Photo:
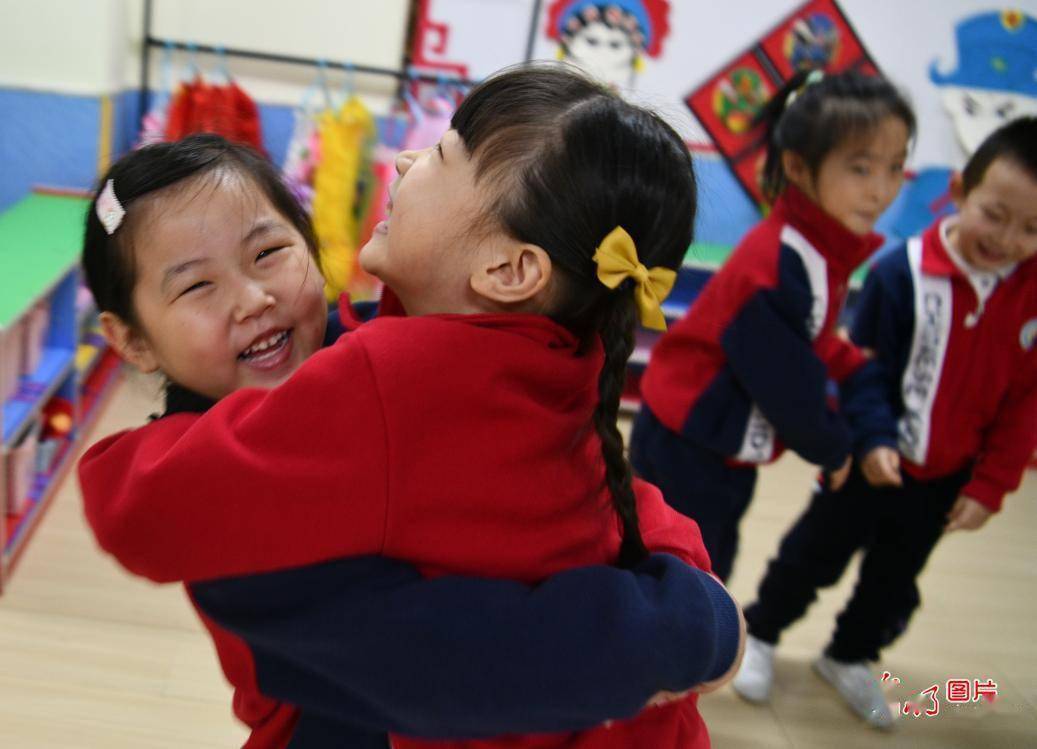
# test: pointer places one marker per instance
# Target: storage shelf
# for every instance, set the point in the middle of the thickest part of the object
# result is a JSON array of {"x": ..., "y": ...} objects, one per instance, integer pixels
[
  {"x": 40, "y": 242},
  {"x": 96, "y": 390},
  {"x": 18, "y": 526},
  {"x": 85, "y": 315},
  {"x": 34, "y": 391},
  {"x": 90, "y": 352}
]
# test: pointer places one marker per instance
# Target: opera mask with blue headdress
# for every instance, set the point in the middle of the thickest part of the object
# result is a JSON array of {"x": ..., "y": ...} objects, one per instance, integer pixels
[
  {"x": 609, "y": 38},
  {"x": 996, "y": 78}
]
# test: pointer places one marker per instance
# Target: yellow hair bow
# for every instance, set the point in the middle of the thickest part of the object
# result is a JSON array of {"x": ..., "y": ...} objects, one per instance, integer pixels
[{"x": 617, "y": 261}]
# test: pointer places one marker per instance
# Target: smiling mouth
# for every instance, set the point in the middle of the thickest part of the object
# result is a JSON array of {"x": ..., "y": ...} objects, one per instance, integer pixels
[
  {"x": 267, "y": 348},
  {"x": 989, "y": 254}
]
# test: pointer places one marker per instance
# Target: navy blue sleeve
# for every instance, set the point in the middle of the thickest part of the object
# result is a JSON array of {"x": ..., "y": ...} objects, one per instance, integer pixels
[
  {"x": 770, "y": 352},
  {"x": 883, "y": 321},
  {"x": 364, "y": 311},
  {"x": 367, "y": 642}
]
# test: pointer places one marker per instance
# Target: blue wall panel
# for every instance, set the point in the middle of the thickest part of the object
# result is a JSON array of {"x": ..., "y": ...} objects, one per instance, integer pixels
[{"x": 46, "y": 138}]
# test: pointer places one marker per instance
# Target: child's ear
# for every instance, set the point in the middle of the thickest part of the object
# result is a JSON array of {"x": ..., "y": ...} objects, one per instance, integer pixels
[
  {"x": 513, "y": 274},
  {"x": 127, "y": 343},
  {"x": 796, "y": 171},
  {"x": 957, "y": 189}
]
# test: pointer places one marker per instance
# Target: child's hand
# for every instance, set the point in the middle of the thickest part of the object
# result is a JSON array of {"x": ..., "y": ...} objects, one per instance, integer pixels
[
  {"x": 967, "y": 515},
  {"x": 838, "y": 477},
  {"x": 881, "y": 467},
  {"x": 665, "y": 698}
]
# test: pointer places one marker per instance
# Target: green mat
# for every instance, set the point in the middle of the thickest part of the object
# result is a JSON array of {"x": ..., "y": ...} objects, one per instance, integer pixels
[{"x": 40, "y": 238}]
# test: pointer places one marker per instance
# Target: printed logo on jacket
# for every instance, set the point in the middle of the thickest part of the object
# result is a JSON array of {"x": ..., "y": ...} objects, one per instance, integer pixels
[{"x": 933, "y": 311}]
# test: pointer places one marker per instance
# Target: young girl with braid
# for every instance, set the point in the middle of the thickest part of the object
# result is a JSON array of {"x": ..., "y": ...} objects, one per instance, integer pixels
[{"x": 524, "y": 247}]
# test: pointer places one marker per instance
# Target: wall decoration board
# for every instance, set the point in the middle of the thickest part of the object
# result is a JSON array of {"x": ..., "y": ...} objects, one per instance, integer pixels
[{"x": 966, "y": 65}]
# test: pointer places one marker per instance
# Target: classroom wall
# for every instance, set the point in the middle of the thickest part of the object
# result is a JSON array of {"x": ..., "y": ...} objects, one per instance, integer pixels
[
  {"x": 372, "y": 33},
  {"x": 56, "y": 58},
  {"x": 941, "y": 52},
  {"x": 66, "y": 46},
  {"x": 60, "y": 59}
]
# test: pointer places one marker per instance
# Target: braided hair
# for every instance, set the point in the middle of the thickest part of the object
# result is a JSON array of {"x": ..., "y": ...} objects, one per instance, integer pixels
[{"x": 570, "y": 161}]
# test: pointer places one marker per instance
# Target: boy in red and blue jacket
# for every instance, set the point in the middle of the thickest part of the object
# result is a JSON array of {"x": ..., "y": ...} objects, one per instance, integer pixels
[{"x": 952, "y": 320}]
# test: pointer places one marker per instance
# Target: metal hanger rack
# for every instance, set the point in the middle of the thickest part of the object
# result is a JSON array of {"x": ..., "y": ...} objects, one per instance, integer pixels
[{"x": 150, "y": 42}]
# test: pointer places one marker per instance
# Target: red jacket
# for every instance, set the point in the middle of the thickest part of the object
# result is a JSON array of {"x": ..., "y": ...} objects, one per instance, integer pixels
[
  {"x": 427, "y": 439},
  {"x": 961, "y": 370},
  {"x": 745, "y": 371}
]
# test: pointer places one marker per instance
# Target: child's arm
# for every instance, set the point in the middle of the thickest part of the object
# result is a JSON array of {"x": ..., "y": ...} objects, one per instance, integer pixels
[
  {"x": 1008, "y": 443},
  {"x": 883, "y": 321},
  {"x": 770, "y": 352},
  {"x": 159, "y": 500},
  {"x": 663, "y": 529},
  {"x": 368, "y": 642}
]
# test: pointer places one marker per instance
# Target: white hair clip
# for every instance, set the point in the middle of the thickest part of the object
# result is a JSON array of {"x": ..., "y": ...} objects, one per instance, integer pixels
[
  {"x": 109, "y": 209},
  {"x": 814, "y": 76}
]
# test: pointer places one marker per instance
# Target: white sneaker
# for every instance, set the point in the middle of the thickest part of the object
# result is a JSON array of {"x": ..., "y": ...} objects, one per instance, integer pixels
[
  {"x": 756, "y": 674},
  {"x": 859, "y": 688}
]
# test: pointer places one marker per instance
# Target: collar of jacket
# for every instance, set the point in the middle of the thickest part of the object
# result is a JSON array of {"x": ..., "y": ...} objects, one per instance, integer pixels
[
  {"x": 937, "y": 260},
  {"x": 840, "y": 247},
  {"x": 181, "y": 400}
]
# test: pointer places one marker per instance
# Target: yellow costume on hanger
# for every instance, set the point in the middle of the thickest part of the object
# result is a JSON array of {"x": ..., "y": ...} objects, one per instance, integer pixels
[{"x": 346, "y": 139}]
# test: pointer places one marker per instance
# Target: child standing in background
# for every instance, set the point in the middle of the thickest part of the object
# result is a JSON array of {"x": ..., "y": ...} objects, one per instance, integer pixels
[
  {"x": 745, "y": 372},
  {"x": 527, "y": 244},
  {"x": 952, "y": 319}
]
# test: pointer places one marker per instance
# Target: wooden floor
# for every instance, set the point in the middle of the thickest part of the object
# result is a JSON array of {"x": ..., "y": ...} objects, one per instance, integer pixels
[{"x": 91, "y": 658}]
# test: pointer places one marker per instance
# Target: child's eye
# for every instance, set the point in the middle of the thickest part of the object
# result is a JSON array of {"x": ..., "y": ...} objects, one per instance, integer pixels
[
  {"x": 990, "y": 215},
  {"x": 268, "y": 253},
  {"x": 860, "y": 170},
  {"x": 193, "y": 287},
  {"x": 439, "y": 149}
]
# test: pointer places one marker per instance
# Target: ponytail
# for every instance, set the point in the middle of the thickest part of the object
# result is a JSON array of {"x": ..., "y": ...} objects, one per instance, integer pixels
[{"x": 773, "y": 177}]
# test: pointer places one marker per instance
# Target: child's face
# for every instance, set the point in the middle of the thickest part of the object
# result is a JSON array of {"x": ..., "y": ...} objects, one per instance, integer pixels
[
  {"x": 998, "y": 217},
  {"x": 426, "y": 248},
  {"x": 860, "y": 177},
  {"x": 227, "y": 293}
]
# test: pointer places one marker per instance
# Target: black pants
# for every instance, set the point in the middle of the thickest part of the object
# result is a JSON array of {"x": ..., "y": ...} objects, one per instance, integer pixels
[
  {"x": 896, "y": 527},
  {"x": 696, "y": 482}
]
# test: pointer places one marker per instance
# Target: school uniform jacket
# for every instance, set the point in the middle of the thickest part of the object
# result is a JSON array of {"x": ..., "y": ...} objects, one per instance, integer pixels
[
  {"x": 461, "y": 443},
  {"x": 745, "y": 371},
  {"x": 957, "y": 347}
]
